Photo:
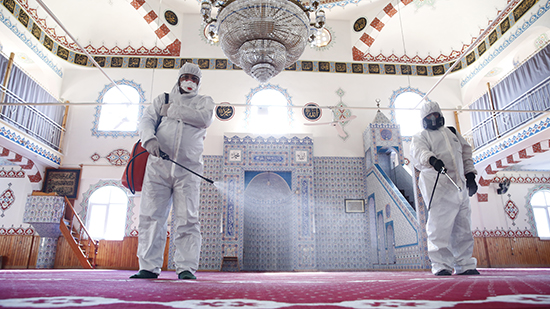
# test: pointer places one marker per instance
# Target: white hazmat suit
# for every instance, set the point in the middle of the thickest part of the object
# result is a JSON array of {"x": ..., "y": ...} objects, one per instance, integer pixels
[
  {"x": 180, "y": 134},
  {"x": 450, "y": 241}
]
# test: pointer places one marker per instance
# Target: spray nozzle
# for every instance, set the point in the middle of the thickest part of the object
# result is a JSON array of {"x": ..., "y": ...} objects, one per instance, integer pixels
[{"x": 164, "y": 155}]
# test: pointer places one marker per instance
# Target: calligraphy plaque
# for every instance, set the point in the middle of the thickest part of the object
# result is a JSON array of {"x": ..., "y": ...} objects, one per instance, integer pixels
[
  {"x": 386, "y": 134},
  {"x": 171, "y": 17},
  {"x": 225, "y": 112},
  {"x": 360, "y": 24},
  {"x": 301, "y": 156},
  {"x": 64, "y": 182},
  {"x": 312, "y": 112},
  {"x": 235, "y": 155}
]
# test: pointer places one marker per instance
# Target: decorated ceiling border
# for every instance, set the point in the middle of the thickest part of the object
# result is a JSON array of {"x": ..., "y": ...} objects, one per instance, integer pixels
[
  {"x": 362, "y": 46},
  {"x": 147, "y": 62},
  {"x": 29, "y": 42},
  {"x": 23, "y": 141},
  {"x": 480, "y": 156},
  {"x": 506, "y": 42},
  {"x": 329, "y": 4},
  {"x": 48, "y": 37},
  {"x": 299, "y": 66}
]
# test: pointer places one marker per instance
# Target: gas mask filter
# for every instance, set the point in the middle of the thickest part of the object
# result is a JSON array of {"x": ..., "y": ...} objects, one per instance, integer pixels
[{"x": 433, "y": 122}]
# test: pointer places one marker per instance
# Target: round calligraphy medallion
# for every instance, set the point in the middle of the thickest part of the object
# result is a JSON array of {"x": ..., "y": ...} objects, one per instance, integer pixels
[
  {"x": 171, "y": 17},
  {"x": 360, "y": 24},
  {"x": 386, "y": 134},
  {"x": 312, "y": 112},
  {"x": 225, "y": 112}
]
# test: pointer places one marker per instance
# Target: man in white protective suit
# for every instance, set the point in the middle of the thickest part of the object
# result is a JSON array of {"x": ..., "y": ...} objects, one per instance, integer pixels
[
  {"x": 177, "y": 129},
  {"x": 436, "y": 149}
]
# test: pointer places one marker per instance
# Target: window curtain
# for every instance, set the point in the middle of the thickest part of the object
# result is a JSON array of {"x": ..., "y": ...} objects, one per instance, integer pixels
[
  {"x": 40, "y": 119},
  {"x": 484, "y": 129},
  {"x": 30, "y": 92},
  {"x": 525, "y": 89}
]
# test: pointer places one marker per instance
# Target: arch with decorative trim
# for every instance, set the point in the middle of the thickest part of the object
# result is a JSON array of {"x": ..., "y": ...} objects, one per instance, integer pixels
[
  {"x": 532, "y": 227},
  {"x": 114, "y": 133},
  {"x": 129, "y": 208}
]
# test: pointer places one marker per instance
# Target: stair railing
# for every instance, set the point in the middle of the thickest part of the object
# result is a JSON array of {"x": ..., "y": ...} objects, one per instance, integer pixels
[{"x": 78, "y": 237}]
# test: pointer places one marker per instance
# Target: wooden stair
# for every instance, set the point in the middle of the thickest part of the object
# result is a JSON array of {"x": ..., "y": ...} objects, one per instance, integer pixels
[{"x": 78, "y": 238}]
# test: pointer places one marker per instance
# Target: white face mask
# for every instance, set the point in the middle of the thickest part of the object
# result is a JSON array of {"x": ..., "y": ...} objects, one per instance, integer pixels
[{"x": 188, "y": 86}]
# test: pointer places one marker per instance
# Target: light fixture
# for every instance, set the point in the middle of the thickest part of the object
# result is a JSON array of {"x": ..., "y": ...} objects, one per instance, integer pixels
[
  {"x": 322, "y": 38},
  {"x": 262, "y": 36}
]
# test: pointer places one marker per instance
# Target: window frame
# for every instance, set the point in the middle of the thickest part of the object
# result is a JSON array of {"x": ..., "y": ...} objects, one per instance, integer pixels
[
  {"x": 393, "y": 98},
  {"x": 249, "y": 106},
  {"x": 546, "y": 207},
  {"x": 108, "y": 208},
  {"x": 130, "y": 207},
  {"x": 97, "y": 116}
]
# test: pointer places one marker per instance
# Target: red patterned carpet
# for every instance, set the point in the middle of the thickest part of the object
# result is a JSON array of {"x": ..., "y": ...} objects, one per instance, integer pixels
[{"x": 95, "y": 289}]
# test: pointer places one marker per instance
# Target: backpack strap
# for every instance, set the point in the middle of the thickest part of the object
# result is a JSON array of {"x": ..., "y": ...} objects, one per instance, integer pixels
[
  {"x": 453, "y": 129},
  {"x": 164, "y": 107}
]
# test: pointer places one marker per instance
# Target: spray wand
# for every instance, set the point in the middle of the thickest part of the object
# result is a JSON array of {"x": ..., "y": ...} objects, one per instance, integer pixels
[
  {"x": 164, "y": 156},
  {"x": 444, "y": 172}
]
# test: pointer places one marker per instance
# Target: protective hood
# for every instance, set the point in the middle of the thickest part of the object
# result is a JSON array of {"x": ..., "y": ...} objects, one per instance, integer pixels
[
  {"x": 188, "y": 68},
  {"x": 430, "y": 121},
  {"x": 428, "y": 108}
]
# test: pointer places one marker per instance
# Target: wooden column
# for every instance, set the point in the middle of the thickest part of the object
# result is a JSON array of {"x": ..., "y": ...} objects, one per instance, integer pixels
[{"x": 7, "y": 76}]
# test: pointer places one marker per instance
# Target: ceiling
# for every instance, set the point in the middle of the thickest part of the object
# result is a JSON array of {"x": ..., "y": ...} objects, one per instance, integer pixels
[
  {"x": 421, "y": 28},
  {"x": 427, "y": 32},
  {"x": 407, "y": 31}
]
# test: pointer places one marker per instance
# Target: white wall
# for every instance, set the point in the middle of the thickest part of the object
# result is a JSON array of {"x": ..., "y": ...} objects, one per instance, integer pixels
[
  {"x": 21, "y": 188},
  {"x": 234, "y": 86},
  {"x": 491, "y": 215}
]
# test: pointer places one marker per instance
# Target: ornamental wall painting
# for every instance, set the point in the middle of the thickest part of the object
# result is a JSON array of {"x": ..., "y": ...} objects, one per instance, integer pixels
[
  {"x": 511, "y": 210},
  {"x": 12, "y": 173},
  {"x": 117, "y": 157},
  {"x": 5, "y": 231},
  {"x": 7, "y": 198},
  {"x": 341, "y": 116}
]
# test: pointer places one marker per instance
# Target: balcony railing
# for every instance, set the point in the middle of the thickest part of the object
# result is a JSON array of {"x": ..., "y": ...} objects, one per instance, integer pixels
[
  {"x": 515, "y": 114},
  {"x": 31, "y": 119}
]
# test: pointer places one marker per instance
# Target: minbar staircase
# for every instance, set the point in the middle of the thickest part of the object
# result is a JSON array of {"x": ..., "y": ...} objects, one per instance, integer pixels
[{"x": 76, "y": 234}]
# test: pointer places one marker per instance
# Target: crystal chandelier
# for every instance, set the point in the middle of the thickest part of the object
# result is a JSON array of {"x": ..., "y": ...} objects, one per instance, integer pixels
[{"x": 262, "y": 36}]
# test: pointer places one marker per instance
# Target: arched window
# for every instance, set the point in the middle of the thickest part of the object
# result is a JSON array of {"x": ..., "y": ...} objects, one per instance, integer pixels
[
  {"x": 540, "y": 202},
  {"x": 269, "y": 110},
  {"x": 120, "y": 113},
  {"x": 107, "y": 209},
  {"x": 403, "y": 100}
]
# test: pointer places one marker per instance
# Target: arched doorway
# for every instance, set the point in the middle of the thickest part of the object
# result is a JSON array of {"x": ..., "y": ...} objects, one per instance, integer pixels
[{"x": 268, "y": 224}]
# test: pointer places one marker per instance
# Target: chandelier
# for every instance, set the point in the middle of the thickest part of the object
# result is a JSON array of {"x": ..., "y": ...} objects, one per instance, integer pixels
[{"x": 262, "y": 36}]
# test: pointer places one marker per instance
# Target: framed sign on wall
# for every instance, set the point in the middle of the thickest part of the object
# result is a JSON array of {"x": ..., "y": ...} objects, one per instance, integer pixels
[
  {"x": 355, "y": 205},
  {"x": 63, "y": 181}
]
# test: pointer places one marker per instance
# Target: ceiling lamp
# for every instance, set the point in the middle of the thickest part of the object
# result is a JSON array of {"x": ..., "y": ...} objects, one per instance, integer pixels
[{"x": 262, "y": 36}]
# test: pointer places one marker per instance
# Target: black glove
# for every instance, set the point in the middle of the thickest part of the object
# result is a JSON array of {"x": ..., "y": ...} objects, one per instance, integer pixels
[
  {"x": 471, "y": 183},
  {"x": 436, "y": 163}
]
